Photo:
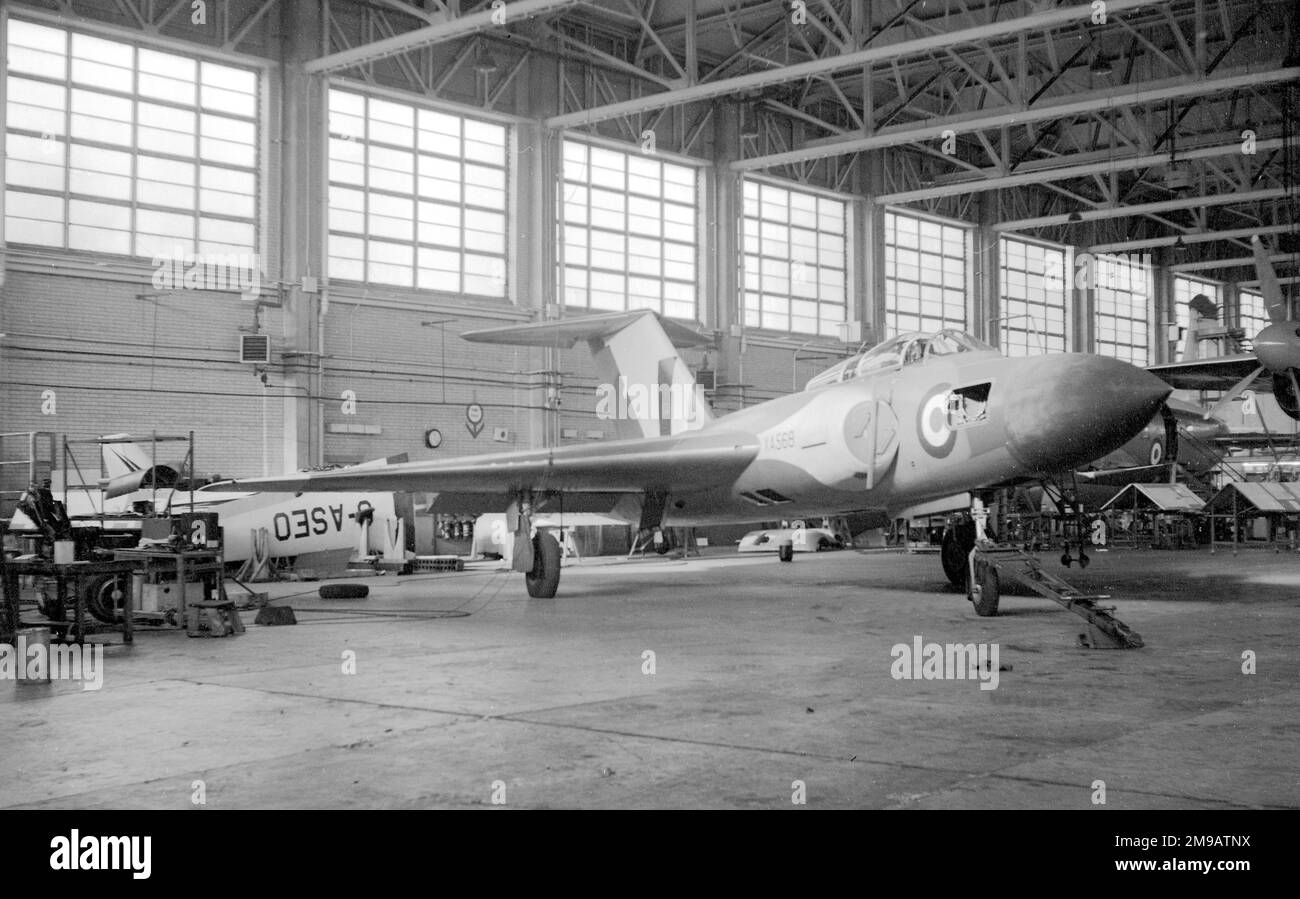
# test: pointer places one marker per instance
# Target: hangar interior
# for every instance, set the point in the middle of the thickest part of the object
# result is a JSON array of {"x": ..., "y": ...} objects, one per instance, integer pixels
[
  {"x": 794, "y": 181},
  {"x": 257, "y": 230}
]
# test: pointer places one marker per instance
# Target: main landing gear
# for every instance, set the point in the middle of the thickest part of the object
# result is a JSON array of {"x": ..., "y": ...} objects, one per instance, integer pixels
[
  {"x": 536, "y": 554},
  {"x": 543, "y": 579}
]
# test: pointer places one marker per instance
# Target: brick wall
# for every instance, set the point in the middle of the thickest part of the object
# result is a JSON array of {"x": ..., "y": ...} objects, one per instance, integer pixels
[{"x": 119, "y": 363}]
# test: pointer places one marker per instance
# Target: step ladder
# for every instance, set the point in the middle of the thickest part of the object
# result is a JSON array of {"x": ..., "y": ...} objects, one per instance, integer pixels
[{"x": 1105, "y": 631}]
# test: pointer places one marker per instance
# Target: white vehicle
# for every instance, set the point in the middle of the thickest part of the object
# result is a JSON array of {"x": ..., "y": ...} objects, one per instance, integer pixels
[{"x": 801, "y": 540}]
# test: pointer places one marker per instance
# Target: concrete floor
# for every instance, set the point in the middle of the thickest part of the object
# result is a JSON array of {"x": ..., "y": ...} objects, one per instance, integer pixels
[{"x": 766, "y": 673}]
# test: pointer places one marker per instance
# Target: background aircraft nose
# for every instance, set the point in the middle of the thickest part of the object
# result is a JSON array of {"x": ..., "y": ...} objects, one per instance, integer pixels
[{"x": 1063, "y": 411}]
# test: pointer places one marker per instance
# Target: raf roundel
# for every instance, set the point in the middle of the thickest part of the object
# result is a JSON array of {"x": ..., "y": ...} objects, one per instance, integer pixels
[{"x": 937, "y": 438}]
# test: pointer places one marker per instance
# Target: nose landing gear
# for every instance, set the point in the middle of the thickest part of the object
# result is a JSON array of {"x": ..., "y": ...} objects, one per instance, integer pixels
[
  {"x": 954, "y": 552},
  {"x": 1067, "y": 559}
]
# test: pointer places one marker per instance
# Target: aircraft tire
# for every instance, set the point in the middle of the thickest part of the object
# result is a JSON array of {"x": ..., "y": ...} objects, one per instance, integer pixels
[
  {"x": 953, "y": 553},
  {"x": 544, "y": 579},
  {"x": 986, "y": 600},
  {"x": 97, "y": 594},
  {"x": 344, "y": 591},
  {"x": 785, "y": 552}
]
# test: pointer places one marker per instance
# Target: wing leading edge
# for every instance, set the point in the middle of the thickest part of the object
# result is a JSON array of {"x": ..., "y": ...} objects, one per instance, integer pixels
[
  {"x": 671, "y": 464},
  {"x": 1210, "y": 374}
]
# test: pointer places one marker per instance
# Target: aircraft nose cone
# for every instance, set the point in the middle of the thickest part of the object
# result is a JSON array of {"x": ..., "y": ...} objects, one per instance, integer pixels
[{"x": 1064, "y": 411}]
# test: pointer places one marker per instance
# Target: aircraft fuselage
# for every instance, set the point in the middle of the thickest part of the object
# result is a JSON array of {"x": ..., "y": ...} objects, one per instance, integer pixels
[{"x": 911, "y": 433}]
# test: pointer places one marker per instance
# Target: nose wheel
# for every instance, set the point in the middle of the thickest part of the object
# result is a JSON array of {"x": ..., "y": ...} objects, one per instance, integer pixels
[
  {"x": 986, "y": 591},
  {"x": 954, "y": 551}
]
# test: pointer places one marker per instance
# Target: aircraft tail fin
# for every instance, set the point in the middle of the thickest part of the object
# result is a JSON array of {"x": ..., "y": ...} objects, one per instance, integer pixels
[
  {"x": 123, "y": 458},
  {"x": 1269, "y": 286},
  {"x": 647, "y": 389},
  {"x": 129, "y": 468}
]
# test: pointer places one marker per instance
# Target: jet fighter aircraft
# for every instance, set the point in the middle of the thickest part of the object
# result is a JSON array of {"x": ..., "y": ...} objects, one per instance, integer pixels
[{"x": 915, "y": 418}]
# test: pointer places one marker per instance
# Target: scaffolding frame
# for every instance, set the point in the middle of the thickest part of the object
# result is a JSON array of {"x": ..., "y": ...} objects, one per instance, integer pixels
[
  {"x": 186, "y": 471},
  {"x": 38, "y": 467}
]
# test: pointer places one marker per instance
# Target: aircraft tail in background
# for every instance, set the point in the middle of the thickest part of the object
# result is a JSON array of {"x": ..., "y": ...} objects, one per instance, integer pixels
[
  {"x": 123, "y": 458},
  {"x": 646, "y": 388},
  {"x": 129, "y": 468}
]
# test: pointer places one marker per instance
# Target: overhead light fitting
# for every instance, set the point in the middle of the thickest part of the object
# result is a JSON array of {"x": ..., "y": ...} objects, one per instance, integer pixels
[
  {"x": 1177, "y": 178},
  {"x": 484, "y": 63},
  {"x": 1101, "y": 64}
]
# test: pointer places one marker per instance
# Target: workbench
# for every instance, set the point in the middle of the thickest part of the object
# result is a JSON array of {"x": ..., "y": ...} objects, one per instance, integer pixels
[
  {"x": 205, "y": 565},
  {"x": 63, "y": 574}
]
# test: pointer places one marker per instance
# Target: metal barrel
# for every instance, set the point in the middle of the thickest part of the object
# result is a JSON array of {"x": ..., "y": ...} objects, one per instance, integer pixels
[{"x": 39, "y": 661}]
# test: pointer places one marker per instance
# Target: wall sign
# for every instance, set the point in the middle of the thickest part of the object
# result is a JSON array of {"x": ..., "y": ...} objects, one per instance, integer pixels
[{"x": 474, "y": 419}]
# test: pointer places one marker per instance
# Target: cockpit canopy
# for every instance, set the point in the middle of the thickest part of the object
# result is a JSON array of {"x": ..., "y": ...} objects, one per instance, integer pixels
[{"x": 904, "y": 349}]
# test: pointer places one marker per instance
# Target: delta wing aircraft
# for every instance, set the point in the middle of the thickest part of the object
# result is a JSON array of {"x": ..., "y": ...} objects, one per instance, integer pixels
[{"x": 915, "y": 418}]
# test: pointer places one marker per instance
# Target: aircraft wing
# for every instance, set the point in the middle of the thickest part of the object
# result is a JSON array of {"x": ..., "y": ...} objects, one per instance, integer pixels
[
  {"x": 1121, "y": 476},
  {"x": 1211, "y": 374},
  {"x": 676, "y": 464},
  {"x": 1281, "y": 441}
]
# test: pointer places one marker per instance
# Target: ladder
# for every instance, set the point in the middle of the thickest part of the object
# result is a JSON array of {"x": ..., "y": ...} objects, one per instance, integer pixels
[{"x": 1105, "y": 631}]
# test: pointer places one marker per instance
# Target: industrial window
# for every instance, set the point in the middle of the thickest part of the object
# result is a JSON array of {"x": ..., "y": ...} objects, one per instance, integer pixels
[
  {"x": 115, "y": 148},
  {"x": 795, "y": 262},
  {"x": 1252, "y": 315},
  {"x": 417, "y": 197},
  {"x": 1032, "y": 278},
  {"x": 1123, "y": 291},
  {"x": 627, "y": 231},
  {"x": 1187, "y": 287},
  {"x": 925, "y": 274}
]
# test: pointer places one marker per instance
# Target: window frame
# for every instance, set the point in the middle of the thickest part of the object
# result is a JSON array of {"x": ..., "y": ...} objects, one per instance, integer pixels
[
  {"x": 1181, "y": 298},
  {"x": 1066, "y": 293},
  {"x": 828, "y": 329},
  {"x": 136, "y": 248},
  {"x": 498, "y": 260},
  {"x": 892, "y": 314},
  {"x": 1145, "y": 317},
  {"x": 567, "y": 252},
  {"x": 1242, "y": 319}
]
